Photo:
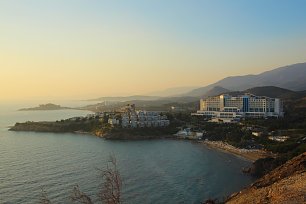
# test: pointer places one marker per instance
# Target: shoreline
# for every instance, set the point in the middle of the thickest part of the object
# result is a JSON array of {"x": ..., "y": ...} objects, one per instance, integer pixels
[
  {"x": 110, "y": 136},
  {"x": 251, "y": 155}
]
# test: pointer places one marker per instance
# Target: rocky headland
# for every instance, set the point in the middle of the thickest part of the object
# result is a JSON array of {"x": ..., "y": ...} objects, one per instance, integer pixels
[{"x": 285, "y": 184}]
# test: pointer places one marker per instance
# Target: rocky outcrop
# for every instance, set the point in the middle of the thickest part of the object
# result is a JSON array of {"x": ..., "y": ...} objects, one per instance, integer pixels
[{"x": 285, "y": 184}]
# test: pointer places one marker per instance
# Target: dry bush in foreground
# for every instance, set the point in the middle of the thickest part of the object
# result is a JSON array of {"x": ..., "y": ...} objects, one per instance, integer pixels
[
  {"x": 44, "y": 197},
  {"x": 79, "y": 196},
  {"x": 109, "y": 192}
]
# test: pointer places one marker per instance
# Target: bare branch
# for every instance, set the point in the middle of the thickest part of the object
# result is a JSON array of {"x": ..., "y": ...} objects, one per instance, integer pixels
[
  {"x": 44, "y": 197},
  {"x": 79, "y": 197},
  {"x": 110, "y": 192}
]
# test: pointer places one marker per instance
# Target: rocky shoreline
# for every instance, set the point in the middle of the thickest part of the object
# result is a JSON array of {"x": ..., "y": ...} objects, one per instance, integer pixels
[
  {"x": 124, "y": 136},
  {"x": 285, "y": 184}
]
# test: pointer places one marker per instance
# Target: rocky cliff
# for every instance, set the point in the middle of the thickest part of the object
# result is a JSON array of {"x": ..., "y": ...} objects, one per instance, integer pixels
[{"x": 285, "y": 184}]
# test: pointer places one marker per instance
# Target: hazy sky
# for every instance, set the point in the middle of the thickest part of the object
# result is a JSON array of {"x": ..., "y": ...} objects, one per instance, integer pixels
[{"x": 79, "y": 49}]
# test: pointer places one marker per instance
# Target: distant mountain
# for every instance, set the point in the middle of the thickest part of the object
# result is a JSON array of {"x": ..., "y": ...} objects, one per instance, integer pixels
[
  {"x": 217, "y": 90},
  {"x": 127, "y": 98},
  {"x": 176, "y": 91},
  {"x": 291, "y": 77},
  {"x": 207, "y": 91}
]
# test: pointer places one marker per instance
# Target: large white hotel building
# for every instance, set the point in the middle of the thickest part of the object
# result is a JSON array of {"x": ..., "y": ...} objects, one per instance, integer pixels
[{"x": 227, "y": 108}]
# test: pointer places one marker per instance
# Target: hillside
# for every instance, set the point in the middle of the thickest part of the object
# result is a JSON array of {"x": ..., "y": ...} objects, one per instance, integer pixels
[
  {"x": 175, "y": 91},
  {"x": 295, "y": 98},
  {"x": 269, "y": 91},
  {"x": 291, "y": 77},
  {"x": 126, "y": 98},
  {"x": 217, "y": 90},
  {"x": 273, "y": 92},
  {"x": 285, "y": 184},
  {"x": 162, "y": 104}
]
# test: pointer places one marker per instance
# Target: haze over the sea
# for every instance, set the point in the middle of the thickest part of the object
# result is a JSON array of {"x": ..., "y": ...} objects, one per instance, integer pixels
[{"x": 86, "y": 49}]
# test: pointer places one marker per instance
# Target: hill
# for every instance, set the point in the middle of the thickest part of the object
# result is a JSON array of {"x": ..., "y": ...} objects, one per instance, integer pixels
[
  {"x": 126, "y": 98},
  {"x": 176, "y": 91},
  {"x": 217, "y": 90},
  {"x": 291, "y": 77},
  {"x": 272, "y": 91},
  {"x": 269, "y": 91},
  {"x": 162, "y": 104},
  {"x": 285, "y": 184}
]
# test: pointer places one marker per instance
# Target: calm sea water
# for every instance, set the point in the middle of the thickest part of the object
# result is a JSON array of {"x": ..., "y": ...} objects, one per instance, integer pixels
[{"x": 155, "y": 171}]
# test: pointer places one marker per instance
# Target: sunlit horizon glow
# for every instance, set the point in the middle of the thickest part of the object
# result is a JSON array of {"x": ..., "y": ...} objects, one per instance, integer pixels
[{"x": 77, "y": 49}]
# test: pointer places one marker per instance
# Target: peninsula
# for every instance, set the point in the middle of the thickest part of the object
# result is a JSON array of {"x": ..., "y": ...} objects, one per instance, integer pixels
[{"x": 95, "y": 127}]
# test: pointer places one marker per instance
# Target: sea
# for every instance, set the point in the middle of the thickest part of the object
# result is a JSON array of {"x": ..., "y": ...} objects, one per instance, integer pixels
[{"x": 152, "y": 171}]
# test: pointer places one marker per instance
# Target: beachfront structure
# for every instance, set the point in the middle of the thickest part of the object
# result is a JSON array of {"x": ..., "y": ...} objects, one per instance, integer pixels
[
  {"x": 279, "y": 138},
  {"x": 131, "y": 118},
  {"x": 226, "y": 108},
  {"x": 187, "y": 133}
]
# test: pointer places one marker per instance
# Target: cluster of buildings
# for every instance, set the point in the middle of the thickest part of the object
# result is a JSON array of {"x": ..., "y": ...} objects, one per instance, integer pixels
[
  {"x": 130, "y": 118},
  {"x": 223, "y": 108},
  {"x": 227, "y": 108}
]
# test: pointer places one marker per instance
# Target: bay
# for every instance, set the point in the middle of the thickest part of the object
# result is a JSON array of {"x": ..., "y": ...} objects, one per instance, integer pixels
[{"x": 153, "y": 171}]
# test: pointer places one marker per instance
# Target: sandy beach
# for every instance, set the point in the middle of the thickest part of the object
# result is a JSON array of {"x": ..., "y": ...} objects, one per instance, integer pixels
[{"x": 251, "y": 155}]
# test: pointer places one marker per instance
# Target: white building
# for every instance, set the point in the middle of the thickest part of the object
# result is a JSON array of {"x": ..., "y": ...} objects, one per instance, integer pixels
[
  {"x": 188, "y": 134},
  {"x": 133, "y": 119},
  {"x": 113, "y": 121},
  {"x": 227, "y": 108},
  {"x": 279, "y": 138}
]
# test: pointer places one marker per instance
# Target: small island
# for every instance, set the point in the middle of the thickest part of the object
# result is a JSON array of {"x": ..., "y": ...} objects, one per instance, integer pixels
[{"x": 48, "y": 106}]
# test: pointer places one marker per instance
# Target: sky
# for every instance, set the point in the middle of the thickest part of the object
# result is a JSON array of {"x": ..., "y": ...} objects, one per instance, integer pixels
[{"x": 80, "y": 49}]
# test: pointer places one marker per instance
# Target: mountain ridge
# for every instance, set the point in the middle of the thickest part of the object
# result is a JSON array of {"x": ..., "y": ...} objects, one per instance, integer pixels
[{"x": 292, "y": 77}]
